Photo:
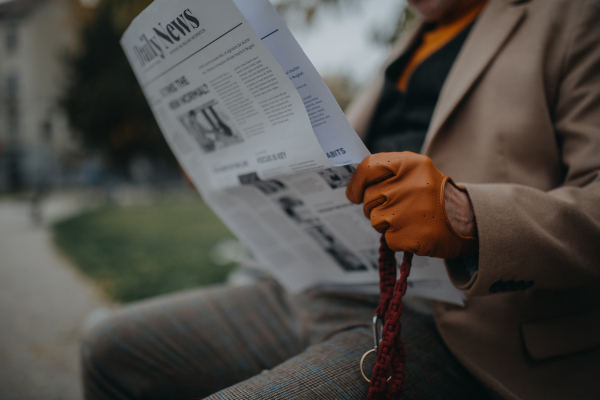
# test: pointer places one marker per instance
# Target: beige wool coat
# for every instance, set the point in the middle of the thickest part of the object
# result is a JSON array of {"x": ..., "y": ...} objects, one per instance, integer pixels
[{"x": 518, "y": 123}]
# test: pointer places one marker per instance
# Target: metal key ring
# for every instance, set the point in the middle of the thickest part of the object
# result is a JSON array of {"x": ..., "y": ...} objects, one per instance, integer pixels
[{"x": 362, "y": 360}]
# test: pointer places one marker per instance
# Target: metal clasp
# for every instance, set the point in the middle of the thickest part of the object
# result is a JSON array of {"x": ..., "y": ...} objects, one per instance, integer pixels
[
  {"x": 377, "y": 330},
  {"x": 378, "y": 323}
]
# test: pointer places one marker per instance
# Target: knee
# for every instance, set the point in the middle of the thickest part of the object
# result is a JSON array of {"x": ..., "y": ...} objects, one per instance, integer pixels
[
  {"x": 101, "y": 349},
  {"x": 96, "y": 343}
]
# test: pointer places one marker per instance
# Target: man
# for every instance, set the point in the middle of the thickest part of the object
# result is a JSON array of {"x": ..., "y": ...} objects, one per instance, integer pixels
[
  {"x": 518, "y": 118},
  {"x": 504, "y": 98}
]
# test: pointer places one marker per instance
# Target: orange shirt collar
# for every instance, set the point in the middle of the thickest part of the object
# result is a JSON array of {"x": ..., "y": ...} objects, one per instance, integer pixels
[{"x": 459, "y": 17}]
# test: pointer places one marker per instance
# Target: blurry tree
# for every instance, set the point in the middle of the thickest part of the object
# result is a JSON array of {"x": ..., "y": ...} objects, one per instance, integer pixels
[
  {"x": 103, "y": 100},
  {"x": 342, "y": 87},
  {"x": 308, "y": 9},
  {"x": 404, "y": 20}
]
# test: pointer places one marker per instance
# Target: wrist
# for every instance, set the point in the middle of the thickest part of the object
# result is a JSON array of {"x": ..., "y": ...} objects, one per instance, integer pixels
[{"x": 459, "y": 210}]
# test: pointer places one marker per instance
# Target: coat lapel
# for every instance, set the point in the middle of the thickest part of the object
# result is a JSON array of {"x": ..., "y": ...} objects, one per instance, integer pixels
[{"x": 495, "y": 25}]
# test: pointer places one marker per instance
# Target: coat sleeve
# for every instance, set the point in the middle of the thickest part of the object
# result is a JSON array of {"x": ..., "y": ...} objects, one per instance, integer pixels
[{"x": 549, "y": 240}]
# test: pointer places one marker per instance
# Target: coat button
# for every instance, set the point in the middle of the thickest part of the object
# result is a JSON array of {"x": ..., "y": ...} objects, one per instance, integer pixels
[
  {"x": 497, "y": 287},
  {"x": 529, "y": 284}
]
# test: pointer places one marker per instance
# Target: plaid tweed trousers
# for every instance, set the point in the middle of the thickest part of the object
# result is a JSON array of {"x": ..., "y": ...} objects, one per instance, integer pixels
[{"x": 258, "y": 342}]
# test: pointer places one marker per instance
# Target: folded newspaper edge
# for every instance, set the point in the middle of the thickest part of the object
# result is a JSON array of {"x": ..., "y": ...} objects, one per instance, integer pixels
[{"x": 265, "y": 143}]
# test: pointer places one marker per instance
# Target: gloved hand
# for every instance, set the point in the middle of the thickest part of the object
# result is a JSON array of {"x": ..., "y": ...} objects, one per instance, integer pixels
[{"x": 403, "y": 196}]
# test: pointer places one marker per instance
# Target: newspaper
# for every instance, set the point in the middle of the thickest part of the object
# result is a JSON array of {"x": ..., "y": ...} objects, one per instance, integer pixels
[{"x": 263, "y": 140}]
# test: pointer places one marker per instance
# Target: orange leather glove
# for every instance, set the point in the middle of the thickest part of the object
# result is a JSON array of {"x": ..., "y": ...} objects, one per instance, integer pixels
[{"x": 403, "y": 196}]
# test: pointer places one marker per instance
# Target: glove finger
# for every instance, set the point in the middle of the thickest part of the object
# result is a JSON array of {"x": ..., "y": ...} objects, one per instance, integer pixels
[
  {"x": 375, "y": 195},
  {"x": 377, "y": 214},
  {"x": 381, "y": 227},
  {"x": 371, "y": 203},
  {"x": 373, "y": 169}
]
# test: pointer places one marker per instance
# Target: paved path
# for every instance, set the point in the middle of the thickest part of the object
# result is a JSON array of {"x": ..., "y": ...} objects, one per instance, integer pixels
[{"x": 43, "y": 303}]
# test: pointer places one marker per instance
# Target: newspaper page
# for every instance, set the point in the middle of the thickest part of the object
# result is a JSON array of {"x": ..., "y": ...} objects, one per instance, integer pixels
[{"x": 258, "y": 132}]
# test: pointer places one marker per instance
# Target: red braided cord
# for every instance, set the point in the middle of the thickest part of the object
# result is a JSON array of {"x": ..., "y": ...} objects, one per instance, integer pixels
[{"x": 390, "y": 353}]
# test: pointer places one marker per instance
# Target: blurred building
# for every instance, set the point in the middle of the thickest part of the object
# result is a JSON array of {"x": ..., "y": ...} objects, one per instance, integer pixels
[{"x": 35, "y": 141}]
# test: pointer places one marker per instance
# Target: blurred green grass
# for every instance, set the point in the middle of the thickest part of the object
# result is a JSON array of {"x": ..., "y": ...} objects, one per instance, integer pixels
[{"x": 135, "y": 252}]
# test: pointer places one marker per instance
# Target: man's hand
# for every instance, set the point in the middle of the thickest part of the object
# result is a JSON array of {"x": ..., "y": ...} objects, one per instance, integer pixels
[{"x": 405, "y": 196}]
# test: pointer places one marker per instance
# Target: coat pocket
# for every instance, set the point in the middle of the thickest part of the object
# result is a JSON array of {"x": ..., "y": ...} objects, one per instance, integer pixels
[{"x": 561, "y": 336}]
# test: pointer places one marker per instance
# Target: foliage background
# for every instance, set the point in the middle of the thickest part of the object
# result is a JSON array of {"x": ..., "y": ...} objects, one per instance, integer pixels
[{"x": 103, "y": 100}]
